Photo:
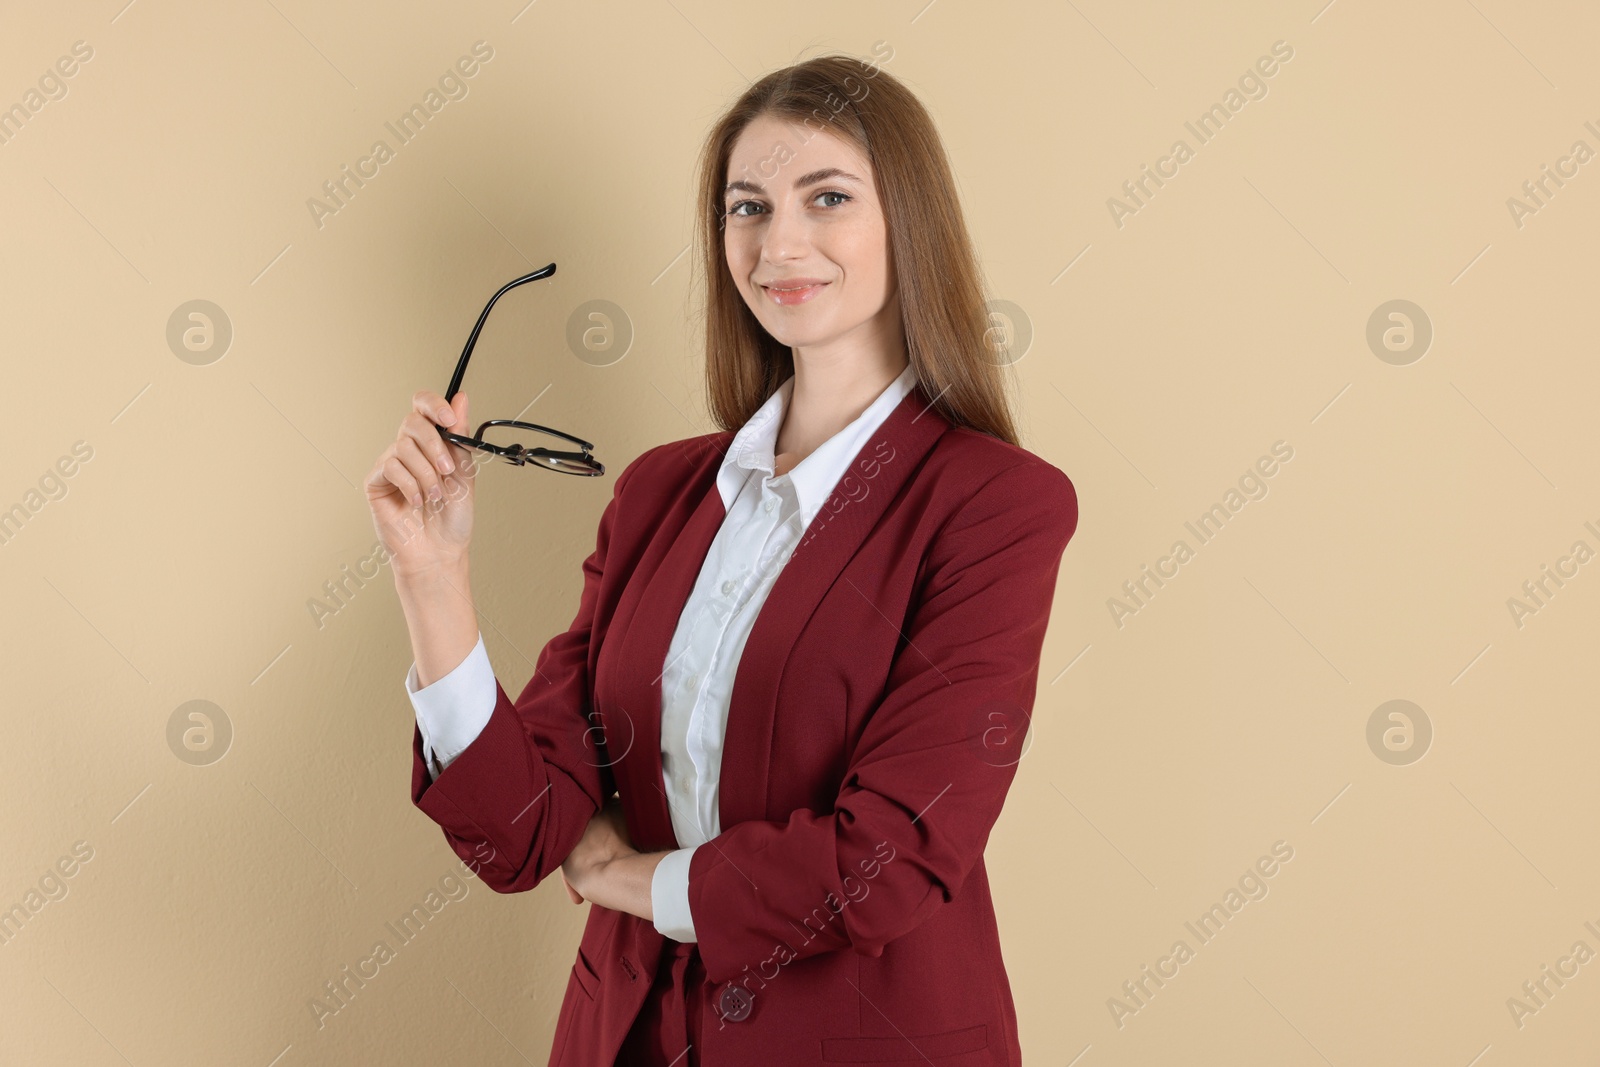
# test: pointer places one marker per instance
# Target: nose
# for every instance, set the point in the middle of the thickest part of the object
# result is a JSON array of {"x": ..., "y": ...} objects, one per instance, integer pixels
[{"x": 786, "y": 235}]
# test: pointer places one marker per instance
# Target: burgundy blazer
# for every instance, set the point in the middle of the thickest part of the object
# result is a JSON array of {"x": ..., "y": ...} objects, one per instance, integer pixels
[{"x": 878, "y": 711}]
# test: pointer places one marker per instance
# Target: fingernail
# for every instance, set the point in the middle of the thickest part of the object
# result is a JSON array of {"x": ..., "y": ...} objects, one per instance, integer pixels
[
  {"x": 446, "y": 464},
  {"x": 447, "y": 416},
  {"x": 433, "y": 492}
]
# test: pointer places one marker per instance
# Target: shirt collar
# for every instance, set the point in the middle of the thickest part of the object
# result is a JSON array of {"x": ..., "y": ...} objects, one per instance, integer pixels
[{"x": 752, "y": 451}]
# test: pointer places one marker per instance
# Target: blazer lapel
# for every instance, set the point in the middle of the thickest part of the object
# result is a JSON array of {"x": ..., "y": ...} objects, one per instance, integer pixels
[
  {"x": 873, "y": 478},
  {"x": 648, "y": 613}
]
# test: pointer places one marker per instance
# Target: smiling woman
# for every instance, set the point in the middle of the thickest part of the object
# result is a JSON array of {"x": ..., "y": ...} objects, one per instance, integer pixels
[{"x": 795, "y": 638}]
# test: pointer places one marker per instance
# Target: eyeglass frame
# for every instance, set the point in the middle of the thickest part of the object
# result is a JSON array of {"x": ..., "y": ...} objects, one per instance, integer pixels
[{"x": 515, "y": 453}]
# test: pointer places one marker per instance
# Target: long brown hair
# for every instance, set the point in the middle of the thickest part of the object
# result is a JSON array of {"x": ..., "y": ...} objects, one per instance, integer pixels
[{"x": 940, "y": 285}]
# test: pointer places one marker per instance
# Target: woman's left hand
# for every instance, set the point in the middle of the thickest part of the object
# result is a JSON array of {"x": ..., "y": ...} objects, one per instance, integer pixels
[{"x": 605, "y": 839}]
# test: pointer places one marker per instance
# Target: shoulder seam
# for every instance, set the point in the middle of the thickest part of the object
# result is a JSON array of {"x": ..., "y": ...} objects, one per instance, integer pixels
[{"x": 951, "y": 526}]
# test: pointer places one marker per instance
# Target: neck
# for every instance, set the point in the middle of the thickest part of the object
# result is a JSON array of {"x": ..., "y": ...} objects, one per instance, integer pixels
[{"x": 830, "y": 391}]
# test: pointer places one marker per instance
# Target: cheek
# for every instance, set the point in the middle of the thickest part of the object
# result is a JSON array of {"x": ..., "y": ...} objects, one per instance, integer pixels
[
  {"x": 736, "y": 253},
  {"x": 867, "y": 267},
  {"x": 865, "y": 252}
]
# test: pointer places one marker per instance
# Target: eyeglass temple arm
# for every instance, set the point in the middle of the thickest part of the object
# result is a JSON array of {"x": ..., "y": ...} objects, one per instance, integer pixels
[{"x": 466, "y": 353}]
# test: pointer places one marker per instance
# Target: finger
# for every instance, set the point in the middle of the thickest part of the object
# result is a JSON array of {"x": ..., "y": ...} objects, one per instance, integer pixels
[
  {"x": 431, "y": 406},
  {"x": 402, "y": 480},
  {"x": 421, "y": 469},
  {"x": 376, "y": 479},
  {"x": 425, "y": 434}
]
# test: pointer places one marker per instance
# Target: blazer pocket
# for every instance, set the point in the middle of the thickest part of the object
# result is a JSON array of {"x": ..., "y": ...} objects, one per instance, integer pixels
[
  {"x": 914, "y": 1047},
  {"x": 584, "y": 974}
]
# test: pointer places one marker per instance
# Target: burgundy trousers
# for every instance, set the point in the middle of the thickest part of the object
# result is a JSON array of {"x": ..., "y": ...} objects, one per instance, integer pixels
[{"x": 667, "y": 1030}]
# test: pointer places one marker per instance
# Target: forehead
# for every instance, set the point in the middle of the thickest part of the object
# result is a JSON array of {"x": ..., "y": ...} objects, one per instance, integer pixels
[{"x": 774, "y": 152}]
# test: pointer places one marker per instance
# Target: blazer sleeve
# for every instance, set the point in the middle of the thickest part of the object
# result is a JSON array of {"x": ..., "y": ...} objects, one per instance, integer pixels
[
  {"x": 931, "y": 769},
  {"x": 517, "y": 800}
]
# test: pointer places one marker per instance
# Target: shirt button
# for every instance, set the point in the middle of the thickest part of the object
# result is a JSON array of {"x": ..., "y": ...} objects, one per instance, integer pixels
[
  {"x": 694, "y": 679},
  {"x": 768, "y": 506},
  {"x": 727, "y": 587},
  {"x": 736, "y": 1002}
]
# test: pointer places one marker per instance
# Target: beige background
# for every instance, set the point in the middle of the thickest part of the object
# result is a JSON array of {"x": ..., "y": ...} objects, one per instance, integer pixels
[{"x": 1167, "y": 755}]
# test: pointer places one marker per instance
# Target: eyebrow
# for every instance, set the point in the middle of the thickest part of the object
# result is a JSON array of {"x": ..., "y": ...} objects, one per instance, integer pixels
[{"x": 815, "y": 177}]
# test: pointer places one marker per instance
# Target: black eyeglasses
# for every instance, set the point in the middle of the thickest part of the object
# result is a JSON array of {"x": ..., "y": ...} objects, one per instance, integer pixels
[{"x": 496, "y": 437}]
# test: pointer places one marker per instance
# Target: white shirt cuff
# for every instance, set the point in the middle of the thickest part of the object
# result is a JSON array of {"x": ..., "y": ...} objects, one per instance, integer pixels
[
  {"x": 453, "y": 711},
  {"x": 669, "y": 896}
]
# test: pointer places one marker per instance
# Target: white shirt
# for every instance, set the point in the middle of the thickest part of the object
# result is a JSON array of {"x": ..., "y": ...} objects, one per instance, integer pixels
[{"x": 765, "y": 516}]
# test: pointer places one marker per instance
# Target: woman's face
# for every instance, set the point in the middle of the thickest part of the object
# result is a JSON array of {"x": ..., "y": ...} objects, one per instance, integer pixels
[{"x": 803, "y": 214}]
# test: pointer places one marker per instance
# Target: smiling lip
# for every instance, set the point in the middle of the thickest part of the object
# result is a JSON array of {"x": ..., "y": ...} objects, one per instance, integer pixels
[{"x": 794, "y": 290}]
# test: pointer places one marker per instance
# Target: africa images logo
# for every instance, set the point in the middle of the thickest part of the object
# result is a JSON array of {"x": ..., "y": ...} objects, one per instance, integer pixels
[{"x": 452, "y": 85}]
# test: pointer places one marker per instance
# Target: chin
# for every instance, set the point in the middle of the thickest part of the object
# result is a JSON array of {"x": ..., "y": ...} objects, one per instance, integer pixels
[
  {"x": 789, "y": 330},
  {"x": 795, "y": 339}
]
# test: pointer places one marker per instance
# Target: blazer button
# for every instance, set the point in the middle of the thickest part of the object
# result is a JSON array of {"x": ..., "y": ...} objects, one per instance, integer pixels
[{"x": 736, "y": 1003}]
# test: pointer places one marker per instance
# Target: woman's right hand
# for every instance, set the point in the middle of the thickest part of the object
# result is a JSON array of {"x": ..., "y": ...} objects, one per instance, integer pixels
[{"x": 420, "y": 489}]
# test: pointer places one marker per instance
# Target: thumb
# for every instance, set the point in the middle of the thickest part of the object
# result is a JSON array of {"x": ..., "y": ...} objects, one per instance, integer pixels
[
  {"x": 571, "y": 892},
  {"x": 462, "y": 455}
]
